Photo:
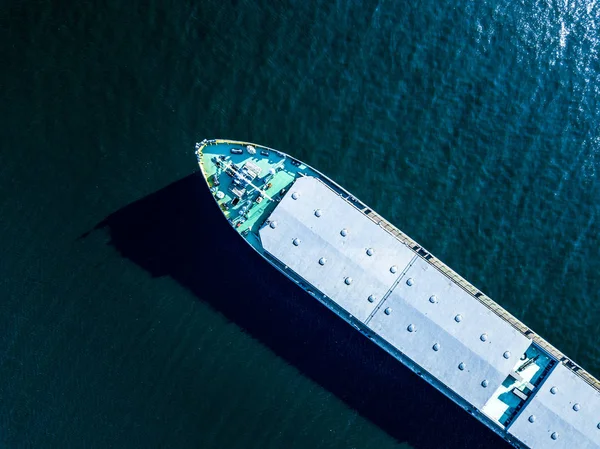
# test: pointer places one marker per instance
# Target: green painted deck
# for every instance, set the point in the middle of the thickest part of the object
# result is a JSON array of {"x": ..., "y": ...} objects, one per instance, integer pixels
[{"x": 247, "y": 215}]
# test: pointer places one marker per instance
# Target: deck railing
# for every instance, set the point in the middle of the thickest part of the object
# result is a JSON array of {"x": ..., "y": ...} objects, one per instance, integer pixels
[{"x": 482, "y": 298}]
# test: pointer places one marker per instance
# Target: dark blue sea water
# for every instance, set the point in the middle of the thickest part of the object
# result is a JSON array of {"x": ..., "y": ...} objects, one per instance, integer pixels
[{"x": 129, "y": 317}]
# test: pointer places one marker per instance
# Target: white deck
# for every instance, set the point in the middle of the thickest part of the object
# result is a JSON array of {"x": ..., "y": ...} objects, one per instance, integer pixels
[
  {"x": 406, "y": 317},
  {"x": 371, "y": 275},
  {"x": 555, "y": 413},
  {"x": 458, "y": 341},
  {"x": 346, "y": 257}
]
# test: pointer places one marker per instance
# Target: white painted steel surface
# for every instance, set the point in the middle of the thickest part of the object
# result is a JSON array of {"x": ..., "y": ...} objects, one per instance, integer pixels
[{"x": 554, "y": 413}]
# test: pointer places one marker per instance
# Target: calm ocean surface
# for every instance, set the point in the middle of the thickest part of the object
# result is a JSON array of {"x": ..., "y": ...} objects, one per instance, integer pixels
[{"x": 128, "y": 319}]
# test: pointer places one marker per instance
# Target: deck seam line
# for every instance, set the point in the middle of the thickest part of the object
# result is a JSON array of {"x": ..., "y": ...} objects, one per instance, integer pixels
[{"x": 389, "y": 292}]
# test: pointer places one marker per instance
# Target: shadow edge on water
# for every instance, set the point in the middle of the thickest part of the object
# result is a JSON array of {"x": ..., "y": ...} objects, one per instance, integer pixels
[{"x": 179, "y": 232}]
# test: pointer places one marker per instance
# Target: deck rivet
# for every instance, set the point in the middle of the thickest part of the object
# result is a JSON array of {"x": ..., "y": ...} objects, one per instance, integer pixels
[
  {"x": 410, "y": 282},
  {"x": 531, "y": 418},
  {"x": 296, "y": 241},
  {"x": 577, "y": 407},
  {"x": 344, "y": 232},
  {"x": 322, "y": 261},
  {"x": 370, "y": 252},
  {"x": 387, "y": 311},
  {"x": 461, "y": 366},
  {"x": 273, "y": 224},
  {"x": 485, "y": 383},
  {"x": 436, "y": 347},
  {"x": 598, "y": 426},
  {"x": 458, "y": 318},
  {"x": 554, "y": 435},
  {"x": 483, "y": 337},
  {"x": 393, "y": 268},
  {"x": 433, "y": 299},
  {"x": 506, "y": 355},
  {"x": 371, "y": 298},
  {"x": 295, "y": 195},
  {"x": 554, "y": 390},
  {"x": 411, "y": 328},
  {"x": 348, "y": 280},
  {"x": 318, "y": 213}
]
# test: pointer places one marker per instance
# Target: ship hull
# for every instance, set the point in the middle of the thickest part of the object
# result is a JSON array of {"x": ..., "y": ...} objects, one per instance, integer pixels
[{"x": 259, "y": 200}]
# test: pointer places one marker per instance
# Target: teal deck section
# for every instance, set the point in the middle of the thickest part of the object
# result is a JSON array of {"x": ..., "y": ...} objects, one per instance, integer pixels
[
  {"x": 277, "y": 173},
  {"x": 526, "y": 376}
]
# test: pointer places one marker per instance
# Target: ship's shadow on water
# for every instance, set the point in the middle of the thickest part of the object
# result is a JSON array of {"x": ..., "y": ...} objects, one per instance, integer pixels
[{"x": 179, "y": 232}]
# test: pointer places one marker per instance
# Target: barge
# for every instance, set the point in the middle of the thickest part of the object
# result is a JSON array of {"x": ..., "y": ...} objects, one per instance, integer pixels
[{"x": 401, "y": 297}]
